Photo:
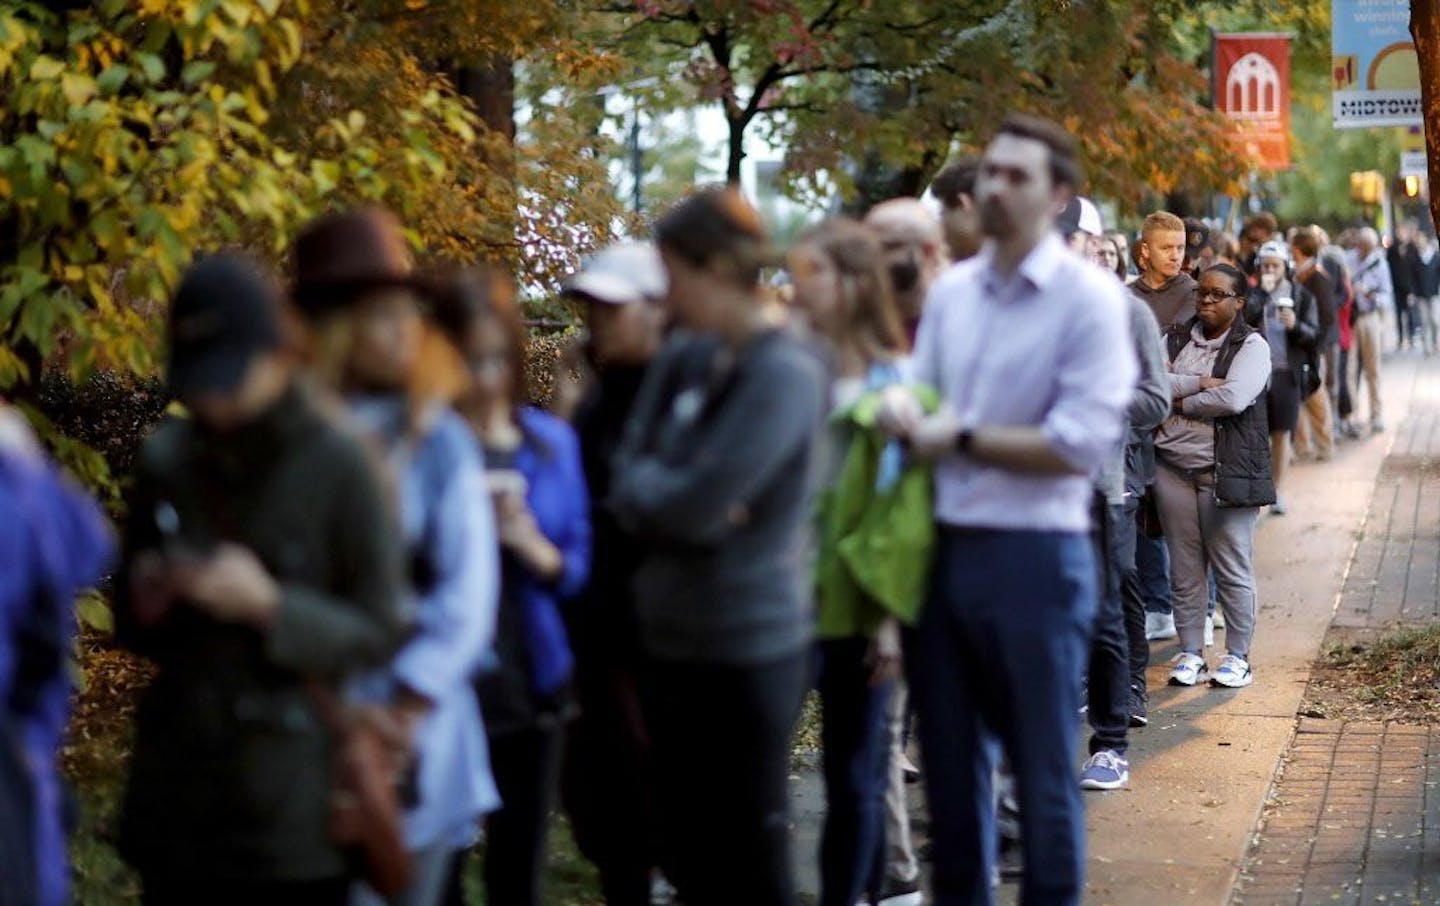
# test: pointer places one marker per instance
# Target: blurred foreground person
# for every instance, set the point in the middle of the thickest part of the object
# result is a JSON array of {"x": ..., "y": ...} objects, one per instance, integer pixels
[
  {"x": 354, "y": 285},
  {"x": 876, "y": 537},
  {"x": 1002, "y": 644},
  {"x": 714, "y": 474},
  {"x": 900, "y": 223},
  {"x": 261, "y": 569},
  {"x": 53, "y": 541},
  {"x": 915, "y": 253},
  {"x": 537, "y": 483},
  {"x": 607, "y": 784},
  {"x": 954, "y": 188}
]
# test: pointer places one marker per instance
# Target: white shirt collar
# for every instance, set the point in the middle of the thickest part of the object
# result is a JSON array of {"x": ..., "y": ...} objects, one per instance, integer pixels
[{"x": 1039, "y": 267}]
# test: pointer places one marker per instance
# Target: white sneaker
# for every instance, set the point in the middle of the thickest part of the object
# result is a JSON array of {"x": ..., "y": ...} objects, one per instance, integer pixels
[
  {"x": 1234, "y": 673},
  {"x": 1160, "y": 627},
  {"x": 1218, "y": 618},
  {"x": 1188, "y": 669},
  {"x": 1209, "y": 632}
]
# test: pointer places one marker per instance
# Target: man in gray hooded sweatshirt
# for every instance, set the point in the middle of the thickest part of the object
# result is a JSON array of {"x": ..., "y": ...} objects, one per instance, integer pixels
[{"x": 1162, "y": 285}]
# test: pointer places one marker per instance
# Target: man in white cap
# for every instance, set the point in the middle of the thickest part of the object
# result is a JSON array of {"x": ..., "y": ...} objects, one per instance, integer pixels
[
  {"x": 1082, "y": 228},
  {"x": 606, "y": 784},
  {"x": 1118, "y": 649}
]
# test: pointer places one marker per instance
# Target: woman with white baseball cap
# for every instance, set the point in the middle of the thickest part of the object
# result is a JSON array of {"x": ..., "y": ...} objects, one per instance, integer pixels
[{"x": 1286, "y": 314}]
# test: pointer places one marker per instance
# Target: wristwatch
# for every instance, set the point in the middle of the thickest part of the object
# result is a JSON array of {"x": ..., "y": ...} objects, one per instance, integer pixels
[{"x": 963, "y": 440}]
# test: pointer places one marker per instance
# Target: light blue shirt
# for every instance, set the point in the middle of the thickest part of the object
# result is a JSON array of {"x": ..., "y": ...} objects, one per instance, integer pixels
[
  {"x": 1049, "y": 347},
  {"x": 448, "y": 520},
  {"x": 1370, "y": 276}
]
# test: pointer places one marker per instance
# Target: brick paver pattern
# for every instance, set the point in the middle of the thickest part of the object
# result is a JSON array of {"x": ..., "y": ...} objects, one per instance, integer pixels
[
  {"x": 1355, "y": 818},
  {"x": 1355, "y": 814},
  {"x": 1395, "y": 576}
]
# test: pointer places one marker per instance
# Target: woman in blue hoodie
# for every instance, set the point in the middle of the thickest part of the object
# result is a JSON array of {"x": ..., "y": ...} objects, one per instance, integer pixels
[
  {"x": 355, "y": 286},
  {"x": 542, "y": 508},
  {"x": 53, "y": 541}
]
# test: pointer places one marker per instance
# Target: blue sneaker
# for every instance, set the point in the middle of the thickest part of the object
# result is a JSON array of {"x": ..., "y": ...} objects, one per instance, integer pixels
[{"x": 1105, "y": 770}]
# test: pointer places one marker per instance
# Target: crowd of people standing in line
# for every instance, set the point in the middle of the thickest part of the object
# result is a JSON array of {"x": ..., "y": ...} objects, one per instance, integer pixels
[{"x": 964, "y": 466}]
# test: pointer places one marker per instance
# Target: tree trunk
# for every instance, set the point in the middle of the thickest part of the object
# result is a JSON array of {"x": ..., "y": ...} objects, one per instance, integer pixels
[
  {"x": 736, "y": 150},
  {"x": 490, "y": 85},
  {"x": 1425, "y": 29}
]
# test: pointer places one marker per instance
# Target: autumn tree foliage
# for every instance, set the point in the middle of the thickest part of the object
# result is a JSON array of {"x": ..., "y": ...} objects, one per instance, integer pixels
[
  {"x": 135, "y": 134},
  {"x": 909, "y": 82}
]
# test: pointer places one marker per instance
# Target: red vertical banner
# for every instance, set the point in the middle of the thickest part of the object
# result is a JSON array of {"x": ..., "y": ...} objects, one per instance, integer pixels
[{"x": 1251, "y": 76}]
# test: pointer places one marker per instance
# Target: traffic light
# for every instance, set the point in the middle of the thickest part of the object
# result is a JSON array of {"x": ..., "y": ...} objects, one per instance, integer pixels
[
  {"x": 1411, "y": 186},
  {"x": 1367, "y": 187}
]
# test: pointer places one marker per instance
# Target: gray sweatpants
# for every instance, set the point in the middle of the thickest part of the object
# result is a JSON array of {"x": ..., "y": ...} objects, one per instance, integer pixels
[{"x": 1199, "y": 533}]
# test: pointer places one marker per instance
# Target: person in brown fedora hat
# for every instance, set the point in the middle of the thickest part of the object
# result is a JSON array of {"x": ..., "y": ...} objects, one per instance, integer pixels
[
  {"x": 342, "y": 255},
  {"x": 372, "y": 345}
]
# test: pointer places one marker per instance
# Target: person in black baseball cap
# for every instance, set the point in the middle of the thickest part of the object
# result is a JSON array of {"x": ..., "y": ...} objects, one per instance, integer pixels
[
  {"x": 261, "y": 564},
  {"x": 1197, "y": 246},
  {"x": 227, "y": 342}
]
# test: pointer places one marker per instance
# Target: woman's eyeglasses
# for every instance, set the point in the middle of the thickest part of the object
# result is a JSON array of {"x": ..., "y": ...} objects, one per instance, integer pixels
[{"x": 1213, "y": 297}]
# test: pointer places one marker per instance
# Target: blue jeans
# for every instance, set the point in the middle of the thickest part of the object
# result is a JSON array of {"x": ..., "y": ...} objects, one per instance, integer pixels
[
  {"x": 1150, "y": 582},
  {"x": 856, "y": 748},
  {"x": 1110, "y": 652},
  {"x": 998, "y": 657}
]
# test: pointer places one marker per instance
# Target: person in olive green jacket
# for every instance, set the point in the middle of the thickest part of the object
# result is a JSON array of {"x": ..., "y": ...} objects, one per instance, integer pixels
[
  {"x": 260, "y": 558},
  {"x": 875, "y": 533}
]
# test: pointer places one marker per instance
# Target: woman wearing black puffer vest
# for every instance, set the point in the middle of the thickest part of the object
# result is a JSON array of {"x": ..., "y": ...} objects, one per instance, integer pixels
[{"x": 1213, "y": 475}]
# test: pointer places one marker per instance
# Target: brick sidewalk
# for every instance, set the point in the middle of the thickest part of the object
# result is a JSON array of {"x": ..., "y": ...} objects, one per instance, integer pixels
[
  {"x": 1354, "y": 816},
  {"x": 1395, "y": 577}
]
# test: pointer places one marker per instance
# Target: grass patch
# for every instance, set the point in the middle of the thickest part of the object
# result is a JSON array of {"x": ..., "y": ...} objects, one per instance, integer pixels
[{"x": 1396, "y": 678}]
